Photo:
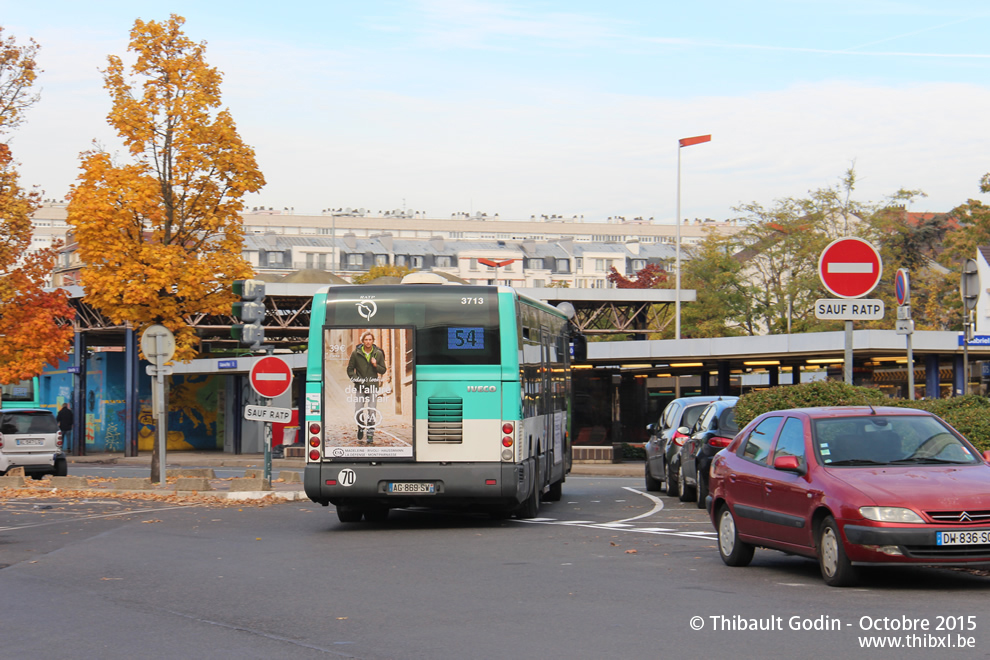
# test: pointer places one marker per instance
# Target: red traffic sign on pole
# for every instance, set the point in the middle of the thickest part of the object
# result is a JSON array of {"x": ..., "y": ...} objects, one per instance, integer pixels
[
  {"x": 271, "y": 376},
  {"x": 850, "y": 267}
]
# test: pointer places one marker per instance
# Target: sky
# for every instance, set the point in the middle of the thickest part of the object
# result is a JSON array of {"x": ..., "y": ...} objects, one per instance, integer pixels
[{"x": 549, "y": 107}]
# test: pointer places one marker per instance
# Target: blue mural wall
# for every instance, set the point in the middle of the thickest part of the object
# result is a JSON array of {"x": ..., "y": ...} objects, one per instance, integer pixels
[{"x": 195, "y": 418}]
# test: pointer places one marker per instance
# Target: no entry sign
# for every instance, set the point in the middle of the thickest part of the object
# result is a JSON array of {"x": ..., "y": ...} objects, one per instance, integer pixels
[
  {"x": 271, "y": 376},
  {"x": 850, "y": 267}
]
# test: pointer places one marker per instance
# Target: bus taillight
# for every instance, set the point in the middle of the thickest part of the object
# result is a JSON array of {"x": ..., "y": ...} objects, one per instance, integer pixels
[
  {"x": 507, "y": 429},
  {"x": 314, "y": 435},
  {"x": 314, "y": 455},
  {"x": 314, "y": 428}
]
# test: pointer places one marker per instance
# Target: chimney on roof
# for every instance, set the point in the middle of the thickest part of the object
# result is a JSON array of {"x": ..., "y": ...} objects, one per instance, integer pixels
[
  {"x": 436, "y": 242},
  {"x": 350, "y": 240},
  {"x": 386, "y": 240}
]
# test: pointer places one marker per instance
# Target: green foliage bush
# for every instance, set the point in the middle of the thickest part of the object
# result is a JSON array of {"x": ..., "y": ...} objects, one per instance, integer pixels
[
  {"x": 632, "y": 453},
  {"x": 970, "y": 414},
  {"x": 806, "y": 395}
]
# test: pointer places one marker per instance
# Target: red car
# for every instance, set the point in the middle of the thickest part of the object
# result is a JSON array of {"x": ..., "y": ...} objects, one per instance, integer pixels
[{"x": 851, "y": 487}]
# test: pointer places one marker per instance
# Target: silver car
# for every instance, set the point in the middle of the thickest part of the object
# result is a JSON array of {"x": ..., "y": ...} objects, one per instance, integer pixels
[
  {"x": 29, "y": 438},
  {"x": 666, "y": 438}
]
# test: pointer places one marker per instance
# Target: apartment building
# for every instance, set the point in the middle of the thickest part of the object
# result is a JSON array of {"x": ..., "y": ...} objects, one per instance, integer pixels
[{"x": 542, "y": 251}]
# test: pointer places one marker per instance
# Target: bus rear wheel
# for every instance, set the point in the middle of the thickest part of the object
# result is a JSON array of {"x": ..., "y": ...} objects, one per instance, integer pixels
[
  {"x": 530, "y": 508},
  {"x": 348, "y": 513},
  {"x": 376, "y": 513}
]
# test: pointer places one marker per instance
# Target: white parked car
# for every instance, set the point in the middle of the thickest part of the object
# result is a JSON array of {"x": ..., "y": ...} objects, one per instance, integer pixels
[{"x": 29, "y": 438}]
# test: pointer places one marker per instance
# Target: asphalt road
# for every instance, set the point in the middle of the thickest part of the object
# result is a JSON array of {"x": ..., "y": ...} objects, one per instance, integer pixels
[{"x": 607, "y": 572}]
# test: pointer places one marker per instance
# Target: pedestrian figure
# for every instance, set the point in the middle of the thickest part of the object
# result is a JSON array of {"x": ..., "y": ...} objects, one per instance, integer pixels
[{"x": 65, "y": 421}]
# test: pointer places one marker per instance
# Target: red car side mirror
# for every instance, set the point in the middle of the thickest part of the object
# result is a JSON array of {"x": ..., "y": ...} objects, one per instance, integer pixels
[
  {"x": 986, "y": 456},
  {"x": 789, "y": 464}
]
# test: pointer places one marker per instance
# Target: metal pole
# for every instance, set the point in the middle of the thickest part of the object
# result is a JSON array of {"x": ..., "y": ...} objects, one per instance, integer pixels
[
  {"x": 162, "y": 413},
  {"x": 910, "y": 366},
  {"x": 677, "y": 288},
  {"x": 847, "y": 367},
  {"x": 268, "y": 448},
  {"x": 966, "y": 335},
  {"x": 130, "y": 391}
]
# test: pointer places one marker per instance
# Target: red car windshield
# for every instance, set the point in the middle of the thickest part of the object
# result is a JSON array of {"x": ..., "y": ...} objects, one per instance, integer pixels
[{"x": 888, "y": 440}]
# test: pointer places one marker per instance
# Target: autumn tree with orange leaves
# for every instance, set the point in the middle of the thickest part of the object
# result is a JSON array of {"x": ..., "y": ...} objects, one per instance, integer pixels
[
  {"x": 35, "y": 325},
  {"x": 161, "y": 235}
]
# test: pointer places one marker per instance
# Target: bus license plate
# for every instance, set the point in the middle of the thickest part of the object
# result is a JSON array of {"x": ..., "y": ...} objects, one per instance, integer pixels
[
  {"x": 411, "y": 488},
  {"x": 974, "y": 537},
  {"x": 30, "y": 442}
]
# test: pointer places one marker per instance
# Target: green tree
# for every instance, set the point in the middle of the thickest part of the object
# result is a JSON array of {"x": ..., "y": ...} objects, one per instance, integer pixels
[
  {"x": 781, "y": 245},
  {"x": 914, "y": 242},
  {"x": 721, "y": 306},
  {"x": 972, "y": 232},
  {"x": 779, "y": 251}
]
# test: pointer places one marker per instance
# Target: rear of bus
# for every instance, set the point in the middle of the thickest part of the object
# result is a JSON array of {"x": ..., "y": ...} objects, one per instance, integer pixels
[{"x": 428, "y": 414}]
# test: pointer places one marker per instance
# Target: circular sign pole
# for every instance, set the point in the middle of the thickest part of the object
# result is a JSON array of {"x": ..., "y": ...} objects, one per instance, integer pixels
[
  {"x": 902, "y": 289},
  {"x": 158, "y": 345},
  {"x": 270, "y": 377},
  {"x": 849, "y": 268}
]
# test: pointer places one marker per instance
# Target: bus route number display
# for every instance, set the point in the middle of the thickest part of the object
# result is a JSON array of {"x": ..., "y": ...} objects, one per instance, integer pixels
[{"x": 465, "y": 338}]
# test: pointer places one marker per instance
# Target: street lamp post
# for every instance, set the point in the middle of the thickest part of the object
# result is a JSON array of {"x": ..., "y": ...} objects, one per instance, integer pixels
[{"x": 683, "y": 142}]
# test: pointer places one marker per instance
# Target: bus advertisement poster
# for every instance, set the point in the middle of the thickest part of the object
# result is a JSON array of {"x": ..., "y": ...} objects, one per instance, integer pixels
[{"x": 368, "y": 392}]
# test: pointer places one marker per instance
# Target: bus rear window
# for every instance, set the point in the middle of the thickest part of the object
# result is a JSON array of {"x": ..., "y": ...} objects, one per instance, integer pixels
[{"x": 454, "y": 324}]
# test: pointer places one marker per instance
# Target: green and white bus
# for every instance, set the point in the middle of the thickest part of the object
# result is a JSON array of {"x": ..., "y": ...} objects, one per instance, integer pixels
[{"x": 436, "y": 395}]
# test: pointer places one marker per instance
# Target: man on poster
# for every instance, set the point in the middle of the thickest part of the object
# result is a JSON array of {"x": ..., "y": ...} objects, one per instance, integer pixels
[{"x": 365, "y": 369}]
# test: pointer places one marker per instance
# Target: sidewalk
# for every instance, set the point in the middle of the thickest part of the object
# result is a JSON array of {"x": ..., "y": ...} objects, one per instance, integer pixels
[{"x": 180, "y": 459}]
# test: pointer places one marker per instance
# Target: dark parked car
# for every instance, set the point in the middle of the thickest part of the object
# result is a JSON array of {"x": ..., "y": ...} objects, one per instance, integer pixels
[
  {"x": 30, "y": 439},
  {"x": 666, "y": 438},
  {"x": 712, "y": 433},
  {"x": 852, "y": 487}
]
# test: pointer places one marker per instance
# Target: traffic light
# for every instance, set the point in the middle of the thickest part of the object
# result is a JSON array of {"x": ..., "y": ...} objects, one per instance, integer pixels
[
  {"x": 969, "y": 286},
  {"x": 250, "y": 311}
]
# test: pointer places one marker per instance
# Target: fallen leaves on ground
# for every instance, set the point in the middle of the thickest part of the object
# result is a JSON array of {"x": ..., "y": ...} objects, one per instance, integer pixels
[{"x": 42, "y": 489}]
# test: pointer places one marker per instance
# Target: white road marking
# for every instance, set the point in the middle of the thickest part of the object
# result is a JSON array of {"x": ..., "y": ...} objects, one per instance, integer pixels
[
  {"x": 611, "y": 528},
  {"x": 624, "y": 526},
  {"x": 94, "y": 517},
  {"x": 657, "y": 504}
]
